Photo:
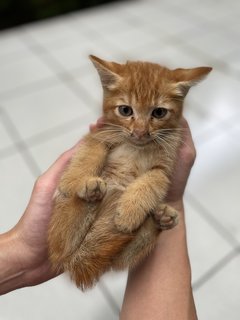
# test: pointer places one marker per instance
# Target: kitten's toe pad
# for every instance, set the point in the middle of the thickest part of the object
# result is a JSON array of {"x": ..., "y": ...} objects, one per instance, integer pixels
[
  {"x": 166, "y": 217},
  {"x": 94, "y": 190}
]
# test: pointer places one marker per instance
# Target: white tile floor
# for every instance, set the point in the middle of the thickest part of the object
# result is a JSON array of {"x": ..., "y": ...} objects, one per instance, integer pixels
[{"x": 49, "y": 92}]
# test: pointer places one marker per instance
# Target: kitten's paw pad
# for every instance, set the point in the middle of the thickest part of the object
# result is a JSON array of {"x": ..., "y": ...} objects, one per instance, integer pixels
[
  {"x": 166, "y": 217},
  {"x": 94, "y": 190},
  {"x": 127, "y": 220}
]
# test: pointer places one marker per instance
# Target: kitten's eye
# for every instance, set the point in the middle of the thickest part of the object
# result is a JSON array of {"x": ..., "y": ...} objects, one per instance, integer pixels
[
  {"x": 159, "y": 113},
  {"x": 125, "y": 111}
]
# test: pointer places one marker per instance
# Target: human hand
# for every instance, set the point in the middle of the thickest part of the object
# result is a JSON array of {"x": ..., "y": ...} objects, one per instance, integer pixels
[
  {"x": 27, "y": 241},
  {"x": 30, "y": 234},
  {"x": 185, "y": 160}
]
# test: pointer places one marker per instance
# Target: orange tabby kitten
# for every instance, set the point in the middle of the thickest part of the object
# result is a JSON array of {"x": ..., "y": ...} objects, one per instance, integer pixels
[{"x": 109, "y": 207}]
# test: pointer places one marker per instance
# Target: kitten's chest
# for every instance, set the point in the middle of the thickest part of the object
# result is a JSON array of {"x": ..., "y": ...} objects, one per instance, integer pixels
[{"x": 125, "y": 163}]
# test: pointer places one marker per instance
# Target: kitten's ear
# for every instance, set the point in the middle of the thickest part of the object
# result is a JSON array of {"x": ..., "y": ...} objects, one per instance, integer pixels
[
  {"x": 108, "y": 72},
  {"x": 186, "y": 78}
]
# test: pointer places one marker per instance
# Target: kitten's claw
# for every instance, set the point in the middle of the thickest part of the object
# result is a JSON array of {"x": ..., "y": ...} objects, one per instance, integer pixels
[
  {"x": 94, "y": 190},
  {"x": 166, "y": 217}
]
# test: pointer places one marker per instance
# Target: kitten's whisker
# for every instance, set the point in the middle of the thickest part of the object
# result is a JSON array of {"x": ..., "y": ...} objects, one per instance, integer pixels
[
  {"x": 116, "y": 125},
  {"x": 170, "y": 142},
  {"x": 162, "y": 144},
  {"x": 166, "y": 146}
]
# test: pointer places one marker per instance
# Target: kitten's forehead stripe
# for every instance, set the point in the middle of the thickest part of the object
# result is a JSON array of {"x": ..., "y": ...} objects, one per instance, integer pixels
[{"x": 146, "y": 82}]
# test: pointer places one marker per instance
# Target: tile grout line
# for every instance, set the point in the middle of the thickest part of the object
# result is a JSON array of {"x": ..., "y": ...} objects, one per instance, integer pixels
[
  {"x": 221, "y": 230},
  {"x": 28, "y": 88},
  {"x": 108, "y": 296},
  {"x": 61, "y": 73},
  {"x": 217, "y": 267},
  {"x": 20, "y": 145},
  {"x": 173, "y": 39},
  {"x": 42, "y": 137}
]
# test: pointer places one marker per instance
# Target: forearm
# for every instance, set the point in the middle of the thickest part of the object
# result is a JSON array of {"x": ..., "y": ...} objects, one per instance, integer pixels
[
  {"x": 160, "y": 288},
  {"x": 12, "y": 273}
]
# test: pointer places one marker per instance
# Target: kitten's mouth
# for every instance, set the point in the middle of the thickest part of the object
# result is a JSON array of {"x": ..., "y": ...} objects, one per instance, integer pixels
[{"x": 140, "y": 142}]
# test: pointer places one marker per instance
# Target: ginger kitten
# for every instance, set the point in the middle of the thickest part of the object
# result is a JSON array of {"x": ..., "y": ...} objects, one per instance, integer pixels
[{"x": 109, "y": 207}]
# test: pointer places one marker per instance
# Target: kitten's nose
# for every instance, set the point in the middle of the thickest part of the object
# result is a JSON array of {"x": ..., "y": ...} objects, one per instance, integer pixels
[{"x": 139, "y": 133}]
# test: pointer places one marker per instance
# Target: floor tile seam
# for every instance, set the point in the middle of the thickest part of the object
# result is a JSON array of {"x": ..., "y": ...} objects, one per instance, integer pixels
[
  {"x": 28, "y": 88},
  {"x": 167, "y": 39},
  {"x": 173, "y": 39},
  {"x": 62, "y": 74},
  {"x": 109, "y": 297},
  {"x": 40, "y": 84},
  {"x": 213, "y": 23},
  {"x": 21, "y": 146},
  {"x": 95, "y": 33},
  {"x": 112, "y": 31},
  {"x": 42, "y": 137},
  {"x": 221, "y": 65},
  {"x": 225, "y": 234},
  {"x": 222, "y": 263}
]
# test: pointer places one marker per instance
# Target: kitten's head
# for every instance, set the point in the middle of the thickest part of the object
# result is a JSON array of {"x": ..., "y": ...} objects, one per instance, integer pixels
[{"x": 142, "y": 99}]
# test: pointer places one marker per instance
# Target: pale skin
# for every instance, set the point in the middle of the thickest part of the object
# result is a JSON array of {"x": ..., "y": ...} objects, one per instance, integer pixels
[{"x": 164, "y": 277}]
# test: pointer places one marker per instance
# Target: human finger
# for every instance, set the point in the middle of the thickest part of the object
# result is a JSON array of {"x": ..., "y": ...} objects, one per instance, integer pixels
[{"x": 94, "y": 126}]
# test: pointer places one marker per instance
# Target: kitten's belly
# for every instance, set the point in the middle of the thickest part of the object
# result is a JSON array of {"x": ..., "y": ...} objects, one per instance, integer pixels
[{"x": 124, "y": 165}]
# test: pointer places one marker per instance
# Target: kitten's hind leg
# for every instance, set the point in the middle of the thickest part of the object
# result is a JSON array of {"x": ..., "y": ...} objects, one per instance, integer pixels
[
  {"x": 140, "y": 198},
  {"x": 139, "y": 247},
  {"x": 70, "y": 222},
  {"x": 145, "y": 238}
]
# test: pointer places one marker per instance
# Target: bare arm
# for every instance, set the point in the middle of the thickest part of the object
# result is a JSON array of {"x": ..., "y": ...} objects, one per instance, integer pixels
[{"x": 160, "y": 287}]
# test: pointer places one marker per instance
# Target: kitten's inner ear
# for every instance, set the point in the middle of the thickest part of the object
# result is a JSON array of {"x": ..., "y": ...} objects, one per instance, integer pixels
[
  {"x": 107, "y": 72},
  {"x": 186, "y": 78}
]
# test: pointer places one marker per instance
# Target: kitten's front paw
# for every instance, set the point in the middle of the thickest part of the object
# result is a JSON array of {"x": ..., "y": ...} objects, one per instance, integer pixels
[
  {"x": 129, "y": 217},
  {"x": 93, "y": 190},
  {"x": 166, "y": 217}
]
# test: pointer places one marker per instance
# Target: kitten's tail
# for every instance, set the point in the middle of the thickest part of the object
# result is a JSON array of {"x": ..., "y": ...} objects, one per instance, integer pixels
[{"x": 94, "y": 257}]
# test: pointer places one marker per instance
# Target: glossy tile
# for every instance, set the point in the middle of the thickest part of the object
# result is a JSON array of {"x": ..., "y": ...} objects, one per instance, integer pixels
[
  {"x": 115, "y": 282},
  {"x": 218, "y": 299},
  {"x": 91, "y": 83},
  {"x": 12, "y": 47},
  {"x": 42, "y": 110},
  {"x": 5, "y": 140},
  {"x": 205, "y": 245},
  {"x": 51, "y": 34},
  {"x": 62, "y": 298},
  {"x": 46, "y": 149},
  {"x": 22, "y": 71},
  {"x": 76, "y": 55},
  {"x": 214, "y": 180},
  {"x": 16, "y": 185}
]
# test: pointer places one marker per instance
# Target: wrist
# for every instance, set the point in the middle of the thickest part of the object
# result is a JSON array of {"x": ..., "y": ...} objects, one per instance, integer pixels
[
  {"x": 177, "y": 204},
  {"x": 178, "y": 233}
]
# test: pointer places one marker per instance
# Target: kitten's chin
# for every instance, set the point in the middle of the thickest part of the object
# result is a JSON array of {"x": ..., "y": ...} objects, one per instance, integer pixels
[{"x": 140, "y": 143}]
